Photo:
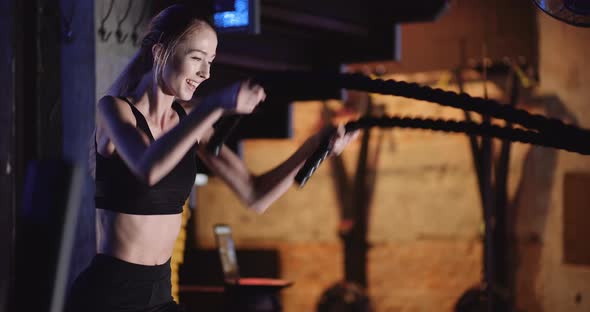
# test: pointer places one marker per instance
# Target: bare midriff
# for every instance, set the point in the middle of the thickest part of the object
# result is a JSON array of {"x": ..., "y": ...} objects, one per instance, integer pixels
[{"x": 139, "y": 239}]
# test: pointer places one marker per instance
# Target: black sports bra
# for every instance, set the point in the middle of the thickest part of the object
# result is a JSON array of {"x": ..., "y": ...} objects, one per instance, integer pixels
[{"x": 118, "y": 189}]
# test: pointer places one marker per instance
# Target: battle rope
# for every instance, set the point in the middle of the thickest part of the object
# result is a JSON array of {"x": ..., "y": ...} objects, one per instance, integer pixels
[
  {"x": 549, "y": 132},
  {"x": 487, "y": 130}
]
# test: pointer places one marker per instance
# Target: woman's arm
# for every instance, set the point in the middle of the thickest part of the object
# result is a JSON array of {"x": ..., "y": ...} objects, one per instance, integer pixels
[
  {"x": 240, "y": 97},
  {"x": 151, "y": 162},
  {"x": 259, "y": 192}
]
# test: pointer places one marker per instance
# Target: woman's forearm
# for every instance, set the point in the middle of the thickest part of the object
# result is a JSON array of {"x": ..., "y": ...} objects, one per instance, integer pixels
[
  {"x": 164, "y": 153},
  {"x": 269, "y": 186}
]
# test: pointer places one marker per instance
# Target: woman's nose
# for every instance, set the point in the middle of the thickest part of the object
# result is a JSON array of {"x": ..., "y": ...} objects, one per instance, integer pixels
[{"x": 204, "y": 71}]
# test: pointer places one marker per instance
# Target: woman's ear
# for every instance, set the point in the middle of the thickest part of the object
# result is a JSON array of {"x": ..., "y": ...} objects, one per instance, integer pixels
[{"x": 156, "y": 50}]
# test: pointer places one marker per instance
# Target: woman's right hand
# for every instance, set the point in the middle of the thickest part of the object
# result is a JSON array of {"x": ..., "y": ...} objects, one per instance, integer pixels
[{"x": 249, "y": 96}]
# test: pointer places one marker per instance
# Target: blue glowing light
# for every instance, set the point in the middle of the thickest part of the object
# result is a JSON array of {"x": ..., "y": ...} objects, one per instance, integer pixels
[{"x": 231, "y": 19}]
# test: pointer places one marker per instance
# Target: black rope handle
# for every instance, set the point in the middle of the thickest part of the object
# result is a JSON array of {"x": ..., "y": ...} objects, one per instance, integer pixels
[
  {"x": 315, "y": 160},
  {"x": 223, "y": 129}
]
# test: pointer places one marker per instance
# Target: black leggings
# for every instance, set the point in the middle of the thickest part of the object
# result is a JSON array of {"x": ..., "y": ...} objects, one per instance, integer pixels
[{"x": 110, "y": 284}]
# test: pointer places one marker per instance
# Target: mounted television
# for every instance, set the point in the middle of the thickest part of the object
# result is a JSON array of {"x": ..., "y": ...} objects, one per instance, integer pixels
[{"x": 237, "y": 16}]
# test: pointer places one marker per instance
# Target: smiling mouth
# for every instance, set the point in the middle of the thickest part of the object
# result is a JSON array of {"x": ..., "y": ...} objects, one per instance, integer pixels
[{"x": 192, "y": 83}]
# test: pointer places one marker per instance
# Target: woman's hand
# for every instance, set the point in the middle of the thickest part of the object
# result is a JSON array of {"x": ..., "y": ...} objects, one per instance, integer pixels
[
  {"x": 249, "y": 96},
  {"x": 340, "y": 139},
  {"x": 240, "y": 97}
]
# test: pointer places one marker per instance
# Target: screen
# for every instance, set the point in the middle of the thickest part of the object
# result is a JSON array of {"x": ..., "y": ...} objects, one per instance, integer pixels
[{"x": 237, "y": 16}]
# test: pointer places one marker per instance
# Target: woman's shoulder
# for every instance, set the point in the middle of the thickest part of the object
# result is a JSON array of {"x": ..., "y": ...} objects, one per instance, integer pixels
[
  {"x": 113, "y": 100},
  {"x": 111, "y": 106}
]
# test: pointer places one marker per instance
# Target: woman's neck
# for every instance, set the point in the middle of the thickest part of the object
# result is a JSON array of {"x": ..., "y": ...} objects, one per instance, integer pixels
[{"x": 152, "y": 100}]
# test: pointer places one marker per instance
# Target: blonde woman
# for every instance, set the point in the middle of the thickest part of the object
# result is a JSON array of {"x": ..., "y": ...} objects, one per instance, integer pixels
[{"x": 146, "y": 144}]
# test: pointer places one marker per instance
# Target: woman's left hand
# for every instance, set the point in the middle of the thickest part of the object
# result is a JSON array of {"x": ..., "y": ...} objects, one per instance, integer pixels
[{"x": 340, "y": 139}]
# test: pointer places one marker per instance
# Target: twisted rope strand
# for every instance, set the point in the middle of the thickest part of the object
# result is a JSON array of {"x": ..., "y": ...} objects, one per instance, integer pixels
[{"x": 452, "y": 126}]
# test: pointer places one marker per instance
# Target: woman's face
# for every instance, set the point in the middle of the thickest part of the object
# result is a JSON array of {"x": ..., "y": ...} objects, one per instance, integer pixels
[{"x": 190, "y": 63}]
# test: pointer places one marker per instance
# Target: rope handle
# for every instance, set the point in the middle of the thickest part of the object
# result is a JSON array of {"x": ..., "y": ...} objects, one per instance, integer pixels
[
  {"x": 315, "y": 160},
  {"x": 223, "y": 129}
]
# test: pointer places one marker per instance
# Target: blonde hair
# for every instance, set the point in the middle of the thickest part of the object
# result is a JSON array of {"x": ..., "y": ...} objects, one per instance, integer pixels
[{"x": 166, "y": 29}]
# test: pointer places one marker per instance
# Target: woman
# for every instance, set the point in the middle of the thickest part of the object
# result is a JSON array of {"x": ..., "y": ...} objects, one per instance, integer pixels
[{"x": 145, "y": 166}]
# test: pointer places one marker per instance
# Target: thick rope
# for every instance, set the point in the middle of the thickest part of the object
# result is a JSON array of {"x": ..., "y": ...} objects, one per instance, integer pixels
[
  {"x": 552, "y": 128},
  {"x": 548, "y": 132},
  {"x": 487, "y": 130}
]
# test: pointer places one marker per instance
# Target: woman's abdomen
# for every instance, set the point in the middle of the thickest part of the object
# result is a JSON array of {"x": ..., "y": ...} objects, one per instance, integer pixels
[{"x": 140, "y": 239}]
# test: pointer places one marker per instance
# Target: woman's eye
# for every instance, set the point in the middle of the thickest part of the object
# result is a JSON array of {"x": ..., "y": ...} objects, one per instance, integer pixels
[{"x": 196, "y": 58}]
